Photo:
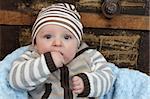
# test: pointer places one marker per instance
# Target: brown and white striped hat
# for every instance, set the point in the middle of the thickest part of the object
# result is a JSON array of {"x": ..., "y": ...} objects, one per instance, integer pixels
[{"x": 62, "y": 14}]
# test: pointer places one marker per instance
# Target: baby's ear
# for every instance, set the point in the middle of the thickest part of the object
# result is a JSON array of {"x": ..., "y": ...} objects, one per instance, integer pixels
[{"x": 35, "y": 46}]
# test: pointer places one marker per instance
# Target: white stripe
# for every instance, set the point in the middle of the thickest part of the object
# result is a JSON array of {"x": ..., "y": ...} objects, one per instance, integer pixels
[
  {"x": 36, "y": 69},
  {"x": 60, "y": 19},
  {"x": 25, "y": 56},
  {"x": 18, "y": 76},
  {"x": 43, "y": 62},
  {"x": 108, "y": 77},
  {"x": 15, "y": 63},
  {"x": 104, "y": 84},
  {"x": 91, "y": 84},
  {"x": 89, "y": 50},
  {"x": 67, "y": 6},
  {"x": 65, "y": 11},
  {"x": 97, "y": 65},
  {"x": 66, "y": 15},
  {"x": 26, "y": 72},
  {"x": 41, "y": 15},
  {"x": 99, "y": 91},
  {"x": 61, "y": 8},
  {"x": 28, "y": 53},
  {"x": 73, "y": 7},
  {"x": 78, "y": 24},
  {"x": 10, "y": 78},
  {"x": 11, "y": 75}
]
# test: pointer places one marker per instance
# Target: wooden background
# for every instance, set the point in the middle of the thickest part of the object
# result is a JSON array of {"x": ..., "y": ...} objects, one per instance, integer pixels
[{"x": 17, "y": 17}]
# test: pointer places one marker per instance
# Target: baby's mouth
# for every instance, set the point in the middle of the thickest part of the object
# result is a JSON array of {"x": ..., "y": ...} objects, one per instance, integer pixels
[{"x": 58, "y": 52}]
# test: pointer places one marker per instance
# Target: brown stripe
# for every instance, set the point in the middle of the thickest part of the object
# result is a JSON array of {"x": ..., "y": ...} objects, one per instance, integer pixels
[
  {"x": 64, "y": 12},
  {"x": 49, "y": 61},
  {"x": 48, "y": 89},
  {"x": 70, "y": 7},
  {"x": 65, "y": 5},
  {"x": 64, "y": 74},
  {"x": 91, "y": 98},
  {"x": 86, "y": 82},
  {"x": 59, "y": 17},
  {"x": 58, "y": 22},
  {"x": 83, "y": 50},
  {"x": 65, "y": 8}
]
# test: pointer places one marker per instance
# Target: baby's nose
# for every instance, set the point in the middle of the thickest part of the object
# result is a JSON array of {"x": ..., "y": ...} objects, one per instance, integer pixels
[{"x": 57, "y": 42}]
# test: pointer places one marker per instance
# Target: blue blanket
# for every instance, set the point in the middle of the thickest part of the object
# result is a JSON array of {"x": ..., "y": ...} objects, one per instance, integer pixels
[{"x": 129, "y": 84}]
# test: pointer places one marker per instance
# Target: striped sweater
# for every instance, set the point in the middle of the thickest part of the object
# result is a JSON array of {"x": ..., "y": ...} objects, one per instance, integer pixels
[{"x": 42, "y": 79}]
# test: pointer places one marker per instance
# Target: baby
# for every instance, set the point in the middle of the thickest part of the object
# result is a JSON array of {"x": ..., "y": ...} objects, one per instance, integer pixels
[{"x": 58, "y": 64}]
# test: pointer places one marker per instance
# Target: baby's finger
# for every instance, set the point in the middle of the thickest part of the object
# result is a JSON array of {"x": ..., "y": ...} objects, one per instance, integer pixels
[
  {"x": 75, "y": 78},
  {"x": 77, "y": 90},
  {"x": 76, "y": 87},
  {"x": 76, "y": 83}
]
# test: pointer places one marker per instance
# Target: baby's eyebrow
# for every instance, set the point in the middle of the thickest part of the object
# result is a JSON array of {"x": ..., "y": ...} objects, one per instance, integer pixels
[{"x": 48, "y": 33}]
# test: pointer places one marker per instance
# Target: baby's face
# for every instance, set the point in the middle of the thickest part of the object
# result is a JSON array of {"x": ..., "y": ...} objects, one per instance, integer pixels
[{"x": 55, "y": 38}]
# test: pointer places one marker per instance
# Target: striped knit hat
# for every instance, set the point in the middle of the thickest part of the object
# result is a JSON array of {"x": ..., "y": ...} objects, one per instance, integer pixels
[{"x": 62, "y": 14}]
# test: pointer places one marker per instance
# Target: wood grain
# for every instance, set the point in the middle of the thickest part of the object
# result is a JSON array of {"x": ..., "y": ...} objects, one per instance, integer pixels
[
  {"x": 93, "y": 20},
  {"x": 118, "y": 22}
]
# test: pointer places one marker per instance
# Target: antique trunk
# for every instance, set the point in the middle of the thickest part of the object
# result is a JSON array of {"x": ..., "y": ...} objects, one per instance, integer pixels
[{"x": 118, "y": 28}]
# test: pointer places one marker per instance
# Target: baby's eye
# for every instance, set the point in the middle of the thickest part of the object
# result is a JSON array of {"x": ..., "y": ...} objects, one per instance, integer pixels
[
  {"x": 47, "y": 36},
  {"x": 68, "y": 37}
]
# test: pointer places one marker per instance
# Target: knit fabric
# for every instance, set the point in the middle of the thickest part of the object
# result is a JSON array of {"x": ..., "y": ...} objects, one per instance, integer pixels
[
  {"x": 61, "y": 14},
  {"x": 90, "y": 63},
  {"x": 129, "y": 84}
]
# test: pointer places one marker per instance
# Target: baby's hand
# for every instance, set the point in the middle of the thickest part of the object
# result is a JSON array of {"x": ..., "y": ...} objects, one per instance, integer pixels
[
  {"x": 77, "y": 85},
  {"x": 58, "y": 59}
]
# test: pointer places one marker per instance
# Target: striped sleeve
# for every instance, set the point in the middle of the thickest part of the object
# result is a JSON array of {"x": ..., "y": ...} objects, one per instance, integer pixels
[
  {"x": 101, "y": 77},
  {"x": 26, "y": 72}
]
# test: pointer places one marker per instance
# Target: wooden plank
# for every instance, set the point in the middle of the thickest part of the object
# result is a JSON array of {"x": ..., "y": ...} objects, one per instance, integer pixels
[
  {"x": 134, "y": 22},
  {"x": 93, "y": 20},
  {"x": 15, "y": 18},
  {"x": 97, "y": 3}
]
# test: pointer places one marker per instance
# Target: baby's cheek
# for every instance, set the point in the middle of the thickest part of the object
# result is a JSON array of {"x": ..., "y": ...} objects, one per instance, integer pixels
[{"x": 68, "y": 58}]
